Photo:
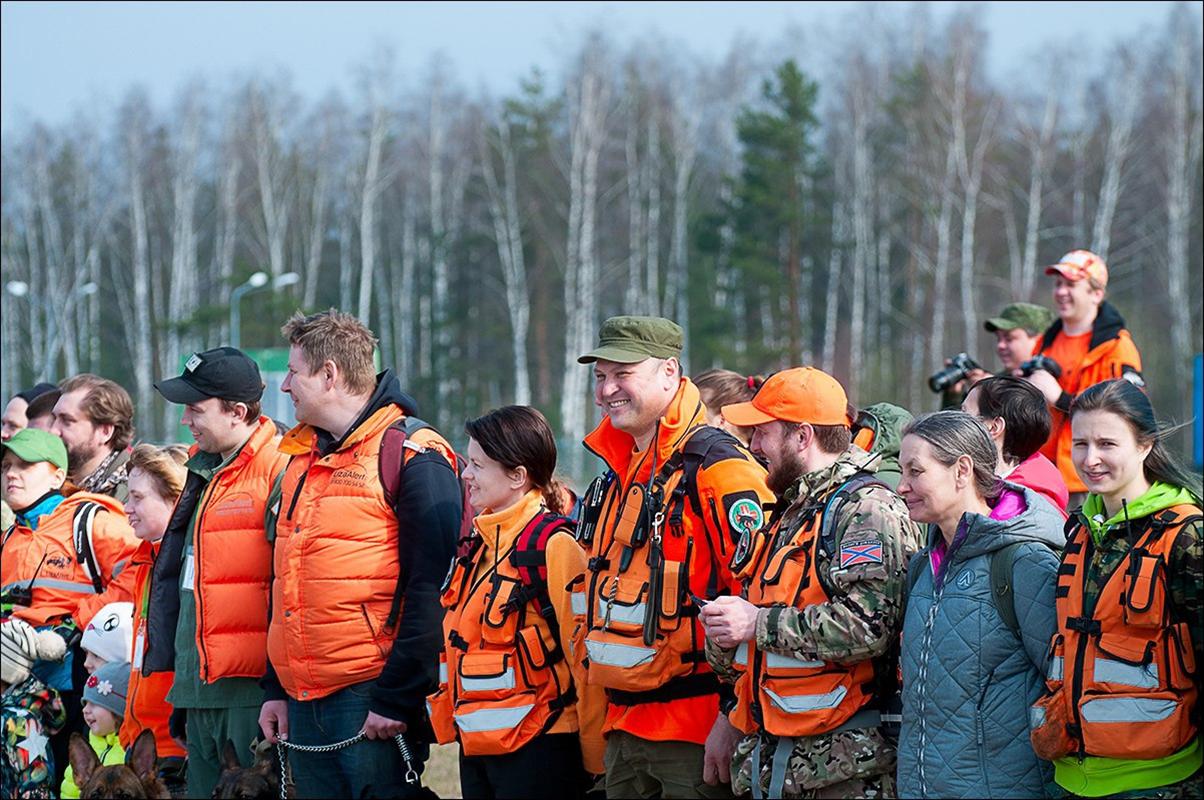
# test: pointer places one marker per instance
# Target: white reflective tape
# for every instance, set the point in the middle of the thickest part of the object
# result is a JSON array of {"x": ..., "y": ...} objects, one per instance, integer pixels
[
  {"x": 623, "y": 656},
  {"x": 1036, "y": 717},
  {"x": 492, "y": 719},
  {"x": 1055, "y": 668},
  {"x": 629, "y": 615},
  {"x": 442, "y": 672},
  {"x": 742, "y": 654},
  {"x": 578, "y": 603},
  {"x": 1127, "y": 709},
  {"x": 779, "y": 661},
  {"x": 491, "y": 684},
  {"x": 801, "y": 703},
  {"x": 1109, "y": 671}
]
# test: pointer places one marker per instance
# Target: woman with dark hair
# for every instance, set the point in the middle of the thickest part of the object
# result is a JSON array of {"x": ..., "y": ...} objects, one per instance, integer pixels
[
  {"x": 1018, "y": 420},
  {"x": 1121, "y": 714},
  {"x": 512, "y": 686},
  {"x": 972, "y": 661},
  {"x": 722, "y": 387}
]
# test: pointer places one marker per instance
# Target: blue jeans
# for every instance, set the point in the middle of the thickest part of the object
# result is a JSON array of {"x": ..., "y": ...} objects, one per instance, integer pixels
[{"x": 365, "y": 769}]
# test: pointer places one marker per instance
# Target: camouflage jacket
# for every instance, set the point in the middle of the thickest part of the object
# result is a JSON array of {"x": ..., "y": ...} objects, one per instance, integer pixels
[
  {"x": 32, "y": 712},
  {"x": 861, "y": 620}
]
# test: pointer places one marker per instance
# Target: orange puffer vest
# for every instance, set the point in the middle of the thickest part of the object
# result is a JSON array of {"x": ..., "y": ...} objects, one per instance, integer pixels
[
  {"x": 336, "y": 560},
  {"x": 503, "y": 675},
  {"x": 146, "y": 706},
  {"x": 233, "y": 560},
  {"x": 781, "y": 694},
  {"x": 46, "y": 561},
  {"x": 1120, "y": 681}
]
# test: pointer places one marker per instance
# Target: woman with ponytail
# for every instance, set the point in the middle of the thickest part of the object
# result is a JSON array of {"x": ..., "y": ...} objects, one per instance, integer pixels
[
  {"x": 512, "y": 687},
  {"x": 1121, "y": 714}
]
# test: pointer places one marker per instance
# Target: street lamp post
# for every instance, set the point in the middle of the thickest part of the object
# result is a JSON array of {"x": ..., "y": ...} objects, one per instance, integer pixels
[{"x": 257, "y": 281}]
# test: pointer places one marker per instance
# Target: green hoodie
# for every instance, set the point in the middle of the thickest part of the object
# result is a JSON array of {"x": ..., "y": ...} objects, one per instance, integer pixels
[{"x": 1095, "y": 776}]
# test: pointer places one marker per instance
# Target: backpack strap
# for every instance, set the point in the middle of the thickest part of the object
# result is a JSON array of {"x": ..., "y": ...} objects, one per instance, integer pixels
[
  {"x": 530, "y": 558},
  {"x": 81, "y": 534},
  {"x": 835, "y": 503},
  {"x": 688, "y": 459},
  {"x": 1002, "y": 588},
  {"x": 397, "y": 439}
]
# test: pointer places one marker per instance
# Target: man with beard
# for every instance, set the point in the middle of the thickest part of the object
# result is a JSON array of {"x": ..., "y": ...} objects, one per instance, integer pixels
[
  {"x": 807, "y": 642},
  {"x": 95, "y": 419}
]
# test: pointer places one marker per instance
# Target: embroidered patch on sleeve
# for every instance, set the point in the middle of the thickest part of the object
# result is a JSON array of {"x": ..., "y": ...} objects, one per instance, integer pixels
[{"x": 866, "y": 551}]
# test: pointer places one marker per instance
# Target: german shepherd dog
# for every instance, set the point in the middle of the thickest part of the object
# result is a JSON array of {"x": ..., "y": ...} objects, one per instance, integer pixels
[
  {"x": 132, "y": 781},
  {"x": 258, "y": 782}
]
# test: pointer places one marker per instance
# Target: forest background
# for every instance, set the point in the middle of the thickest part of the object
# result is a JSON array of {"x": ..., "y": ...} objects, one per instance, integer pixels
[{"x": 860, "y": 204}]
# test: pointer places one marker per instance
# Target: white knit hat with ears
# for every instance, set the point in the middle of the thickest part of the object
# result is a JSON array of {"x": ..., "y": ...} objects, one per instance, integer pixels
[
  {"x": 21, "y": 645},
  {"x": 110, "y": 634}
]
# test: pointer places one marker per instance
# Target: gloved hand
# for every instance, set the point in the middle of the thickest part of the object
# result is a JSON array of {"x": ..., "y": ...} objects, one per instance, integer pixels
[
  {"x": 176, "y": 724},
  {"x": 21, "y": 645}
]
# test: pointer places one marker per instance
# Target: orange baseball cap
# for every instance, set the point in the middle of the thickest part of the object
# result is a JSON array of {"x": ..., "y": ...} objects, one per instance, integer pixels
[
  {"x": 1079, "y": 264},
  {"x": 802, "y": 394}
]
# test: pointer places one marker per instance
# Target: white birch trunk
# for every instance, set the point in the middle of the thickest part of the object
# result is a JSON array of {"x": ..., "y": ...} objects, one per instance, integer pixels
[
  {"x": 1120, "y": 140},
  {"x": 367, "y": 218},
  {"x": 1039, "y": 153},
  {"x": 183, "y": 278}
]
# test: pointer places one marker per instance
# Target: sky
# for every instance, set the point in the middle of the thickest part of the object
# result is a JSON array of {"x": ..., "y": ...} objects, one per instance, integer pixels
[{"x": 59, "y": 58}]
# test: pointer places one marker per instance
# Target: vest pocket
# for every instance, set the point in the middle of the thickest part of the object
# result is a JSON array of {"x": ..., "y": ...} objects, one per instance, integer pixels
[
  {"x": 486, "y": 676},
  {"x": 1142, "y": 578},
  {"x": 1056, "y": 667},
  {"x": 499, "y": 622},
  {"x": 439, "y": 709},
  {"x": 622, "y": 605},
  {"x": 1047, "y": 720},
  {"x": 1137, "y": 725},
  {"x": 799, "y": 706}
]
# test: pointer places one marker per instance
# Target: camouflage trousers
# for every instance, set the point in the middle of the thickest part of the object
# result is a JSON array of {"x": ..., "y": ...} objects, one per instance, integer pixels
[{"x": 856, "y": 763}]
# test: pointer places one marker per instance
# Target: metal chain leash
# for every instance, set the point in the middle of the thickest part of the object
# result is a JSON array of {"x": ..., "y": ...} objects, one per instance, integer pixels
[{"x": 402, "y": 747}]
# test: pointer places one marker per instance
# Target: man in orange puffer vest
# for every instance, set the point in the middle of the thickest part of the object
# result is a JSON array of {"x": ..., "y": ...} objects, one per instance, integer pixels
[
  {"x": 659, "y": 527},
  {"x": 1089, "y": 343},
  {"x": 208, "y": 609},
  {"x": 355, "y": 634}
]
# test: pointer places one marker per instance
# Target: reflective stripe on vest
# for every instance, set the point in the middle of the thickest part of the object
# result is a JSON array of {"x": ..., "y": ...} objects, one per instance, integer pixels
[
  {"x": 492, "y": 719},
  {"x": 54, "y": 583},
  {"x": 1109, "y": 671},
  {"x": 618, "y": 655},
  {"x": 491, "y": 684},
  {"x": 1055, "y": 668},
  {"x": 579, "y": 606},
  {"x": 776, "y": 660},
  {"x": 800, "y": 703},
  {"x": 1127, "y": 709},
  {"x": 629, "y": 615},
  {"x": 442, "y": 672}
]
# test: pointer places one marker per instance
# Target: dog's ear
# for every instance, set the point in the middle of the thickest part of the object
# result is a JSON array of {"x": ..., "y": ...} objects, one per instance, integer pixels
[
  {"x": 230, "y": 756},
  {"x": 144, "y": 756},
  {"x": 83, "y": 758}
]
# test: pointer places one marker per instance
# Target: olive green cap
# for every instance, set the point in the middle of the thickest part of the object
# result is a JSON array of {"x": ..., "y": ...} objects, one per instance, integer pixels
[
  {"x": 32, "y": 445},
  {"x": 628, "y": 340},
  {"x": 1033, "y": 318}
]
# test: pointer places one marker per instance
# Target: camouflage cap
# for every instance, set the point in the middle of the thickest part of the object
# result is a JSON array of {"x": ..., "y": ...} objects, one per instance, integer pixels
[
  {"x": 628, "y": 340},
  {"x": 1030, "y": 316}
]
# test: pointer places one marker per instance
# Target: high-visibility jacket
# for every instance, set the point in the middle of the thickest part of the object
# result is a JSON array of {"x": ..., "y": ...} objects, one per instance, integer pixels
[
  {"x": 781, "y": 694},
  {"x": 511, "y": 668},
  {"x": 1121, "y": 680},
  {"x": 46, "y": 560},
  {"x": 232, "y": 559},
  {"x": 644, "y": 640},
  {"x": 1111, "y": 354},
  {"x": 336, "y": 559},
  {"x": 146, "y": 706}
]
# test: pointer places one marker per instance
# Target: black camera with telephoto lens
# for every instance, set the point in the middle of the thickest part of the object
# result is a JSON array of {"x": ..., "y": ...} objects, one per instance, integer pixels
[
  {"x": 1041, "y": 361},
  {"x": 959, "y": 367}
]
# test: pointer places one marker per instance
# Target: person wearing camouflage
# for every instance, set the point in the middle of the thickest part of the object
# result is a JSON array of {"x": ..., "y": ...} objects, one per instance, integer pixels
[{"x": 807, "y": 643}]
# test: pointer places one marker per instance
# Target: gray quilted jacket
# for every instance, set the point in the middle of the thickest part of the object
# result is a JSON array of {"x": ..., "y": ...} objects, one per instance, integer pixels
[{"x": 967, "y": 681}]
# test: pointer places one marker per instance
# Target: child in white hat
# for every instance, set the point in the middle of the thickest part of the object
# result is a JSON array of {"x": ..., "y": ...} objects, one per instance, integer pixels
[{"x": 109, "y": 636}]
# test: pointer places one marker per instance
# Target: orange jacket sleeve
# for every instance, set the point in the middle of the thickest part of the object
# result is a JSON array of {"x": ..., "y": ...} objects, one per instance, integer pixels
[
  {"x": 735, "y": 497},
  {"x": 115, "y": 546},
  {"x": 566, "y": 564}
]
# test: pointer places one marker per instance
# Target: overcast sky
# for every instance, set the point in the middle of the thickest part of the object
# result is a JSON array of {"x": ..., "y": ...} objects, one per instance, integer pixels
[{"x": 57, "y": 58}]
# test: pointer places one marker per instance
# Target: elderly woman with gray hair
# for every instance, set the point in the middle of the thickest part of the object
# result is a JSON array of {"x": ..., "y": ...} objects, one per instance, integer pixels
[{"x": 979, "y": 616}]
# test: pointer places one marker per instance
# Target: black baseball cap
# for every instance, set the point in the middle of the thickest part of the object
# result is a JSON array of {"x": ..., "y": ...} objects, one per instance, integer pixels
[{"x": 225, "y": 372}]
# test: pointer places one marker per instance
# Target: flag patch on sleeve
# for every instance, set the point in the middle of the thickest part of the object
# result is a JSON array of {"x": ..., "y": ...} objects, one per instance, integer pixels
[{"x": 866, "y": 551}]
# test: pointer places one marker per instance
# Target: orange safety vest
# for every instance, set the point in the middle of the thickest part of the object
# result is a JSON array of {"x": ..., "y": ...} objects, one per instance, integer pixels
[
  {"x": 781, "y": 694},
  {"x": 1120, "y": 681},
  {"x": 146, "y": 705},
  {"x": 233, "y": 560},
  {"x": 336, "y": 559},
  {"x": 503, "y": 675},
  {"x": 47, "y": 561}
]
